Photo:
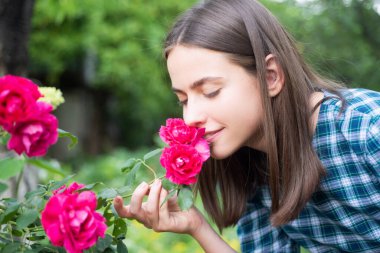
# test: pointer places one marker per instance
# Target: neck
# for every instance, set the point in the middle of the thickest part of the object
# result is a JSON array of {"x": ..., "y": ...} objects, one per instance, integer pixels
[{"x": 314, "y": 99}]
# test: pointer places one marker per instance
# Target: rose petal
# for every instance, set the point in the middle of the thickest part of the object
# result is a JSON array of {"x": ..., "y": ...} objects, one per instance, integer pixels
[{"x": 203, "y": 149}]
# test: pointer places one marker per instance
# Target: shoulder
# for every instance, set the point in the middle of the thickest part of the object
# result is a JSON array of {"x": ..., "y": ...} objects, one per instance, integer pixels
[
  {"x": 356, "y": 112},
  {"x": 357, "y": 102},
  {"x": 349, "y": 128},
  {"x": 360, "y": 114},
  {"x": 362, "y": 101}
]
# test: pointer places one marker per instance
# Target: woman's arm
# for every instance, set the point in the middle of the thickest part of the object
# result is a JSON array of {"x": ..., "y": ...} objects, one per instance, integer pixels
[
  {"x": 209, "y": 240},
  {"x": 169, "y": 217}
]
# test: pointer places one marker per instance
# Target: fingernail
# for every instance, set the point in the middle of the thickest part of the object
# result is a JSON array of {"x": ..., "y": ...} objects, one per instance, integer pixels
[{"x": 157, "y": 182}]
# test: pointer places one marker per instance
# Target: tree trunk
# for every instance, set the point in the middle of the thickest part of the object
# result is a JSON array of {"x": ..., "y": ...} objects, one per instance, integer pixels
[{"x": 15, "y": 22}]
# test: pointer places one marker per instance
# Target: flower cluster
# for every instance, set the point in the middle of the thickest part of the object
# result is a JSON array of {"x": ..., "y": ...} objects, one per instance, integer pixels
[
  {"x": 187, "y": 151},
  {"x": 70, "y": 220},
  {"x": 32, "y": 126}
]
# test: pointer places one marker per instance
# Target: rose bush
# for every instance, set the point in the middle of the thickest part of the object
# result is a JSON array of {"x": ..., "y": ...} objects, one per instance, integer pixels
[{"x": 77, "y": 218}]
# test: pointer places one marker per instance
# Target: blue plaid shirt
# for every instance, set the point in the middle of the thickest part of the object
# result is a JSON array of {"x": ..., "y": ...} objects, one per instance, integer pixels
[{"x": 343, "y": 215}]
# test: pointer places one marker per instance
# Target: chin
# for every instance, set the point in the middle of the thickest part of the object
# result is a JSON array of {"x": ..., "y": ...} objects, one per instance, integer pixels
[{"x": 220, "y": 154}]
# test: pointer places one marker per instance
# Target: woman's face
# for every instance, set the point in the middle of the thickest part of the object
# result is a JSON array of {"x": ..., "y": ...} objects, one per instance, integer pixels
[{"x": 218, "y": 95}]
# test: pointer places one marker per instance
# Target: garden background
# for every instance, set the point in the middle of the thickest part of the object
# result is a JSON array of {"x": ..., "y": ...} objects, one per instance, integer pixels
[{"x": 106, "y": 57}]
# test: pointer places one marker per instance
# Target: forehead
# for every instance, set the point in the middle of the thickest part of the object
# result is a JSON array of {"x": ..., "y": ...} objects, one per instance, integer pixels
[{"x": 189, "y": 64}]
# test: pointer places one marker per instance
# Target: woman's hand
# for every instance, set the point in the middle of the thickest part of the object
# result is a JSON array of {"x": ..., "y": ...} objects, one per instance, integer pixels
[{"x": 160, "y": 217}]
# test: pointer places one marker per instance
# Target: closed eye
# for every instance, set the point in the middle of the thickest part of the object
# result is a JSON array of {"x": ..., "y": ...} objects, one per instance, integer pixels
[
  {"x": 212, "y": 94},
  {"x": 182, "y": 102}
]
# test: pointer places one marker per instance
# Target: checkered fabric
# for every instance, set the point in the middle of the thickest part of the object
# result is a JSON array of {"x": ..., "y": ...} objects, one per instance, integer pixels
[{"x": 343, "y": 215}]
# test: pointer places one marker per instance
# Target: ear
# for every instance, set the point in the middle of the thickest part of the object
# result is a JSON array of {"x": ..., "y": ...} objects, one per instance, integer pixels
[{"x": 274, "y": 75}]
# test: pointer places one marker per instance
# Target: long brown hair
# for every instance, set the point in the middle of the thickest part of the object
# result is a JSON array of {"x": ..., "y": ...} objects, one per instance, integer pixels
[{"x": 247, "y": 32}]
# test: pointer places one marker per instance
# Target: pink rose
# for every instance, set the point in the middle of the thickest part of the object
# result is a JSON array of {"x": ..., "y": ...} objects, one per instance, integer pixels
[
  {"x": 17, "y": 96},
  {"x": 70, "y": 220},
  {"x": 177, "y": 132},
  {"x": 182, "y": 163},
  {"x": 36, "y": 132},
  {"x": 68, "y": 190}
]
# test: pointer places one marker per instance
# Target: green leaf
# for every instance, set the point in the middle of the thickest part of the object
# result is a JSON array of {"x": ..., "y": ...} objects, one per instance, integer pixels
[
  {"x": 104, "y": 243},
  {"x": 38, "y": 192},
  {"x": 36, "y": 237},
  {"x": 58, "y": 184},
  {"x": 124, "y": 189},
  {"x": 73, "y": 138},
  {"x": 12, "y": 205},
  {"x": 120, "y": 228},
  {"x": 127, "y": 167},
  {"x": 10, "y": 167},
  {"x": 108, "y": 215},
  {"x": 168, "y": 185},
  {"x": 121, "y": 247},
  {"x": 152, "y": 153},
  {"x": 4, "y": 137},
  {"x": 46, "y": 165},
  {"x": 114, "y": 211},
  {"x": 131, "y": 176},
  {"x": 3, "y": 187},
  {"x": 11, "y": 248},
  {"x": 108, "y": 193},
  {"x": 171, "y": 194},
  {"x": 27, "y": 218},
  {"x": 185, "y": 198},
  {"x": 90, "y": 186},
  {"x": 101, "y": 203},
  {"x": 17, "y": 233},
  {"x": 35, "y": 202}
]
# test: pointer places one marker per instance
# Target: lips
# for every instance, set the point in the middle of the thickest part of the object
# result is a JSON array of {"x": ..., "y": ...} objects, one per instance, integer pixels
[{"x": 212, "y": 135}]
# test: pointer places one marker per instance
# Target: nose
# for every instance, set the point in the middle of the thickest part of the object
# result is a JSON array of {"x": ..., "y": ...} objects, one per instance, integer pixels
[{"x": 194, "y": 115}]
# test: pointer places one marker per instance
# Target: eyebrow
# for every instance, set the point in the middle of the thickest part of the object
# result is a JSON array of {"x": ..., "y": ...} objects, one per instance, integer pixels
[{"x": 199, "y": 83}]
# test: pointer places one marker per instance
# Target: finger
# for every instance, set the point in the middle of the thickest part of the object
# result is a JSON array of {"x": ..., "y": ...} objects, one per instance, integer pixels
[
  {"x": 164, "y": 211},
  {"x": 153, "y": 202},
  {"x": 137, "y": 199},
  {"x": 122, "y": 211},
  {"x": 173, "y": 203}
]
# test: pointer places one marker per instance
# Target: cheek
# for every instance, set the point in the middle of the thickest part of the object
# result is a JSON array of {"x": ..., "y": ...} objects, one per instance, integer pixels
[{"x": 244, "y": 105}]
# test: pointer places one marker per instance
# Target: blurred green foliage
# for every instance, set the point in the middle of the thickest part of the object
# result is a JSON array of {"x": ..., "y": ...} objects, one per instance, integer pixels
[
  {"x": 339, "y": 38},
  {"x": 110, "y": 46},
  {"x": 114, "y": 47}
]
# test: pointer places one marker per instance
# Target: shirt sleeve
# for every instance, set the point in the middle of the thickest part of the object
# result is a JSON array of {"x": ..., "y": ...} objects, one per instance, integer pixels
[
  {"x": 373, "y": 147},
  {"x": 256, "y": 234}
]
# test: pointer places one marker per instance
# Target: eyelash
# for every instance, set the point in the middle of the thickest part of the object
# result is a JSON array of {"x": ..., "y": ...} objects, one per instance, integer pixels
[
  {"x": 182, "y": 103},
  {"x": 209, "y": 95},
  {"x": 212, "y": 94}
]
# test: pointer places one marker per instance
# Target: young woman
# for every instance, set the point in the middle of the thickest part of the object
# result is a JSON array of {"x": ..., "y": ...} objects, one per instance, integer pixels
[{"x": 295, "y": 157}]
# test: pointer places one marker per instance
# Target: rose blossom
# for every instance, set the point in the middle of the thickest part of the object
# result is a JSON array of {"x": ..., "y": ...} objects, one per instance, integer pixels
[
  {"x": 68, "y": 190},
  {"x": 36, "y": 132},
  {"x": 17, "y": 96},
  {"x": 70, "y": 220},
  {"x": 177, "y": 132},
  {"x": 182, "y": 163}
]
